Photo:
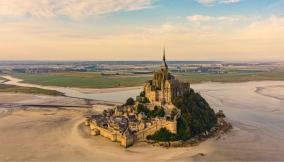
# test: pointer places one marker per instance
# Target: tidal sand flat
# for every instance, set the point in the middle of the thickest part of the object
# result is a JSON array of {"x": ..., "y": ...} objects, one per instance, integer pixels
[
  {"x": 58, "y": 134},
  {"x": 256, "y": 110},
  {"x": 35, "y": 133}
]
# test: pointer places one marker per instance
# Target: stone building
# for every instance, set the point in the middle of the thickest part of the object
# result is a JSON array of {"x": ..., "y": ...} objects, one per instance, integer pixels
[
  {"x": 164, "y": 88},
  {"x": 127, "y": 129},
  {"x": 124, "y": 124}
]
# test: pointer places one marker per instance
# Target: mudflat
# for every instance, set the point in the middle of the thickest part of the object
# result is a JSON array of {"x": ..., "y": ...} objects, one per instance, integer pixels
[
  {"x": 255, "y": 109},
  {"x": 58, "y": 134}
]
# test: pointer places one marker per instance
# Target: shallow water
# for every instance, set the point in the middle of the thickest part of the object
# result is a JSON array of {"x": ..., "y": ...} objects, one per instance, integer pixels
[
  {"x": 256, "y": 110},
  {"x": 115, "y": 96}
]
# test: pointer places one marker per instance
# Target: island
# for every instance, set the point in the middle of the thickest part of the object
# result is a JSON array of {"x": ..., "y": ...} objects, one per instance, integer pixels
[{"x": 167, "y": 110}]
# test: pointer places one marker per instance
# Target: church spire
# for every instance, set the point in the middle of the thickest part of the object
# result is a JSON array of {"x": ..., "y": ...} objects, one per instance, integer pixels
[
  {"x": 164, "y": 55},
  {"x": 164, "y": 64}
]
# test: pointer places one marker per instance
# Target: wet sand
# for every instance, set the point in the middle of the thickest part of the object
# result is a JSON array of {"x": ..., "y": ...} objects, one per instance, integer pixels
[
  {"x": 256, "y": 110},
  {"x": 51, "y": 134}
]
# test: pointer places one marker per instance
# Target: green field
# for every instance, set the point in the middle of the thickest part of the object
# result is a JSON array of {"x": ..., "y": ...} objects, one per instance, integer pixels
[
  {"x": 230, "y": 77},
  {"x": 83, "y": 80},
  {"x": 96, "y": 80},
  {"x": 30, "y": 90}
]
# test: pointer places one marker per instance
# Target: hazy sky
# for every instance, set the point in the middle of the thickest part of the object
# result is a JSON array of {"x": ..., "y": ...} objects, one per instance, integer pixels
[{"x": 138, "y": 29}]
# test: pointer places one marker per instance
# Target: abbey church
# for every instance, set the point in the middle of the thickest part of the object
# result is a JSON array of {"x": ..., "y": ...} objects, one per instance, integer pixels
[
  {"x": 127, "y": 125},
  {"x": 164, "y": 88}
]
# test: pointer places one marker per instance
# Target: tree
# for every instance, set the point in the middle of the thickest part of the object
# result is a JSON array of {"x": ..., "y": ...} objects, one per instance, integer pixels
[
  {"x": 141, "y": 108},
  {"x": 142, "y": 98},
  {"x": 196, "y": 115},
  {"x": 130, "y": 101},
  {"x": 142, "y": 94},
  {"x": 163, "y": 135},
  {"x": 145, "y": 100},
  {"x": 159, "y": 111}
]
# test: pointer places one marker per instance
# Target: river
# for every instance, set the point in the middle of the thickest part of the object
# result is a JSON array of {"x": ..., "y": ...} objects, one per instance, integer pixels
[{"x": 256, "y": 110}]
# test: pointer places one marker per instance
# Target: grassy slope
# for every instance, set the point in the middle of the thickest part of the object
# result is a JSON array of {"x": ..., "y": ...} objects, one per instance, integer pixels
[
  {"x": 95, "y": 80},
  {"x": 18, "y": 89}
]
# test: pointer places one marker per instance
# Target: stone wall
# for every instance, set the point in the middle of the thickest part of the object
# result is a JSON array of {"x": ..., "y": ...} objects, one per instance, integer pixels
[
  {"x": 114, "y": 137},
  {"x": 127, "y": 141},
  {"x": 170, "y": 125}
]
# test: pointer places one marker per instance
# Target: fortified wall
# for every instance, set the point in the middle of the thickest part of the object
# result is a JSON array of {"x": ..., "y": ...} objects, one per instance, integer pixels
[
  {"x": 123, "y": 139},
  {"x": 129, "y": 140},
  {"x": 170, "y": 125}
]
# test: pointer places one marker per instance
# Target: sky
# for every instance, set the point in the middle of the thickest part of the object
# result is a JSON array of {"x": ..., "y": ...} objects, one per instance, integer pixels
[{"x": 224, "y": 30}]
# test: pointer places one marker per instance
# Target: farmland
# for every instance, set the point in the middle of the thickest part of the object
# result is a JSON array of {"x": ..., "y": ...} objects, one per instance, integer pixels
[{"x": 97, "y": 80}]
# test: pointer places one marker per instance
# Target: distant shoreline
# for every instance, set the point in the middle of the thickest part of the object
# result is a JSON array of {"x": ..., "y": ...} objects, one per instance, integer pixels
[
  {"x": 96, "y": 81},
  {"x": 101, "y": 95}
]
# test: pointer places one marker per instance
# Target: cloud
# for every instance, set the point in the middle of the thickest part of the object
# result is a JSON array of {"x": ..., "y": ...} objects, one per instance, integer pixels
[
  {"x": 198, "y": 18},
  {"x": 212, "y": 2},
  {"x": 206, "y": 18},
  {"x": 229, "y": 1},
  {"x": 259, "y": 38},
  {"x": 268, "y": 29},
  {"x": 205, "y": 2},
  {"x": 69, "y": 8}
]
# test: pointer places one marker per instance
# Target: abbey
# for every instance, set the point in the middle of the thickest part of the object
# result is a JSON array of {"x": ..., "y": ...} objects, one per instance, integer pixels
[
  {"x": 130, "y": 123},
  {"x": 164, "y": 88}
]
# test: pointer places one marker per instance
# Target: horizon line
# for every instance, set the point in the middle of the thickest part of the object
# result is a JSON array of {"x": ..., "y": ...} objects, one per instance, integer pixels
[{"x": 142, "y": 61}]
